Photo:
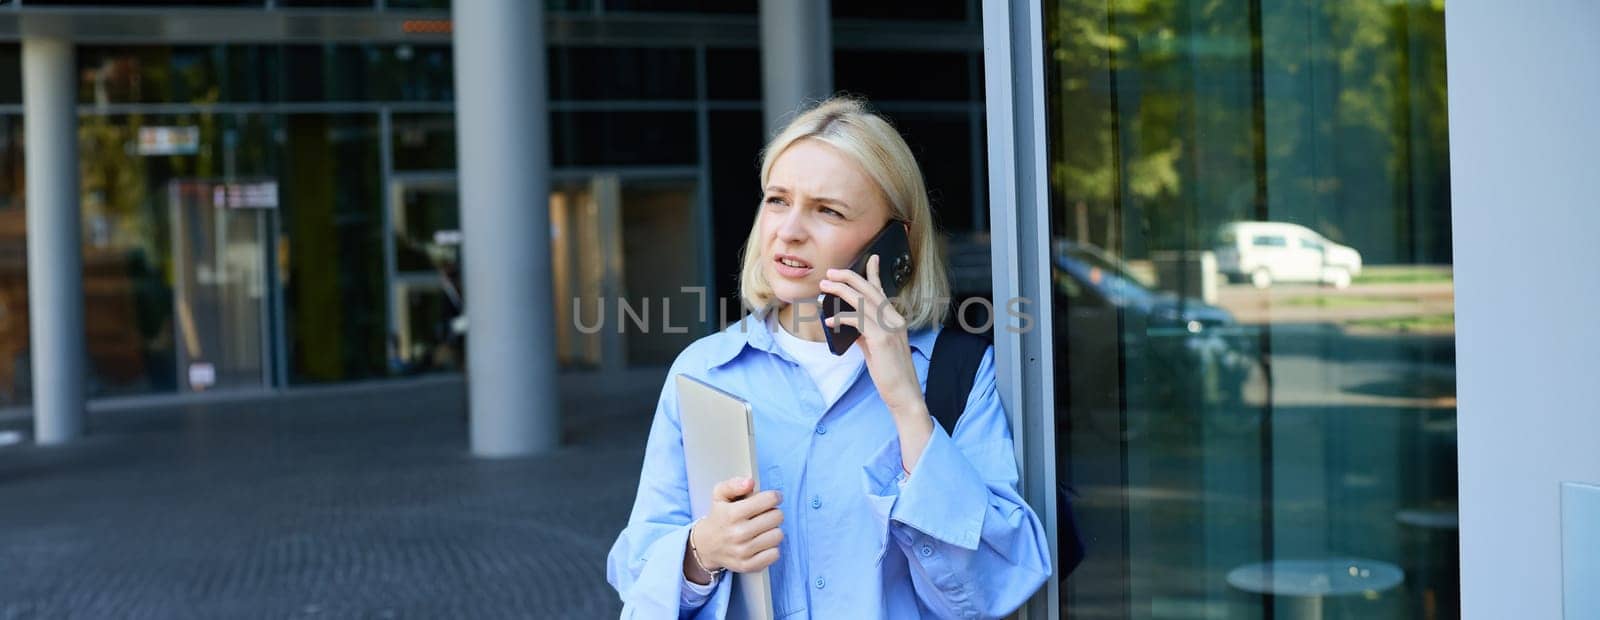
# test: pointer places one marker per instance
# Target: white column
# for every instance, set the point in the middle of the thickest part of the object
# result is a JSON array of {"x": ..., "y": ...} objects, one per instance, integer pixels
[
  {"x": 504, "y": 168},
  {"x": 1523, "y": 92},
  {"x": 796, "y": 57},
  {"x": 55, "y": 259}
]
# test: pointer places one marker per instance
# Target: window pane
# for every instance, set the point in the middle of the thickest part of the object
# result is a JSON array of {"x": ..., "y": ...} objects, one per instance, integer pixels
[
  {"x": 682, "y": 6},
  {"x": 423, "y": 223},
  {"x": 347, "y": 4},
  {"x": 333, "y": 234},
  {"x": 736, "y": 141},
  {"x": 437, "y": 5},
  {"x": 149, "y": 3},
  {"x": 622, "y": 138},
  {"x": 942, "y": 143},
  {"x": 621, "y": 73},
  {"x": 424, "y": 141},
  {"x": 149, "y": 74},
  {"x": 733, "y": 74},
  {"x": 252, "y": 73},
  {"x": 660, "y": 253},
  {"x": 431, "y": 343},
  {"x": 367, "y": 73},
  {"x": 258, "y": 73},
  {"x": 1253, "y": 308},
  {"x": 905, "y": 76},
  {"x": 943, "y": 10},
  {"x": 10, "y": 73}
]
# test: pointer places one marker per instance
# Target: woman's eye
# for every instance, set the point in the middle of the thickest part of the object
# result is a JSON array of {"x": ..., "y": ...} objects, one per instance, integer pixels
[
  {"x": 774, "y": 200},
  {"x": 831, "y": 212}
]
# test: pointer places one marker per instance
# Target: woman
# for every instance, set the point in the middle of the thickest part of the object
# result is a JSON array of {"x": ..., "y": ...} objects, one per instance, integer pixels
[{"x": 868, "y": 508}]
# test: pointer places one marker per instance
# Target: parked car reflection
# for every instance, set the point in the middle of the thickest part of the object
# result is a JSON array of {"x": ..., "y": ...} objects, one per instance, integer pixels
[
  {"x": 1266, "y": 252},
  {"x": 1131, "y": 352}
]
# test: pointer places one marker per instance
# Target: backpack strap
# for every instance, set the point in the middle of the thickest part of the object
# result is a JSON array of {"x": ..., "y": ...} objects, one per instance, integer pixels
[{"x": 951, "y": 372}]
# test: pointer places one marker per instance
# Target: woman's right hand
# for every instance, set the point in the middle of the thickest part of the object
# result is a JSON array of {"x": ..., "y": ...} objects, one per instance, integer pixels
[{"x": 741, "y": 532}]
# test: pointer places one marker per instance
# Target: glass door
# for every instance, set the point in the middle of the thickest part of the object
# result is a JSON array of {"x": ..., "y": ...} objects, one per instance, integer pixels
[
  {"x": 1280, "y": 442},
  {"x": 621, "y": 247},
  {"x": 222, "y": 298},
  {"x": 427, "y": 313}
]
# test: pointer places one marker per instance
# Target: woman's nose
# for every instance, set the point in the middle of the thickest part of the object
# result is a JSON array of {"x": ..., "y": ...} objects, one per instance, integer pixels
[{"x": 792, "y": 227}]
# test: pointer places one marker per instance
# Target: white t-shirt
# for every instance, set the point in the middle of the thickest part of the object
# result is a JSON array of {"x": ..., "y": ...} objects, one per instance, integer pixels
[{"x": 831, "y": 373}]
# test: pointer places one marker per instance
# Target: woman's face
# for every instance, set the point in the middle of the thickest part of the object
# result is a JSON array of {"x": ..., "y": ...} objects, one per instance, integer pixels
[{"x": 819, "y": 210}]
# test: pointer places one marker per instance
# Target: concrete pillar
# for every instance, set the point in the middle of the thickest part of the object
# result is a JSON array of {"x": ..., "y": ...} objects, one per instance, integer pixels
[
  {"x": 796, "y": 57},
  {"x": 1522, "y": 95},
  {"x": 502, "y": 131},
  {"x": 55, "y": 255}
]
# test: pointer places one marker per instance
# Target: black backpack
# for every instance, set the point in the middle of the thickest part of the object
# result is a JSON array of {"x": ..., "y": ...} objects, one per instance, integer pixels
[{"x": 951, "y": 372}]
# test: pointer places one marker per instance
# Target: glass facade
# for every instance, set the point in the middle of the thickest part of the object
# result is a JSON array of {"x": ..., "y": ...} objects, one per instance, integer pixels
[
  {"x": 1252, "y": 290},
  {"x": 234, "y": 196},
  {"x": 1253, "y": 308}
]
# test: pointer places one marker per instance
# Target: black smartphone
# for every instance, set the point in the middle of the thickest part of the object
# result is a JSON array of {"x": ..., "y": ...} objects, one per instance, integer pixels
[{"x": 893, "y": 248}]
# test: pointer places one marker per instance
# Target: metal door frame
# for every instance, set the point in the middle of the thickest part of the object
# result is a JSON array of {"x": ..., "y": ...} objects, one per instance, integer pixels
[{"x": 1019, "y": 215}]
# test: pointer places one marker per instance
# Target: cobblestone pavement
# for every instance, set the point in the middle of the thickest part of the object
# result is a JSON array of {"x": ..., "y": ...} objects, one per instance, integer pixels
[{"x": 359, "y": 504}]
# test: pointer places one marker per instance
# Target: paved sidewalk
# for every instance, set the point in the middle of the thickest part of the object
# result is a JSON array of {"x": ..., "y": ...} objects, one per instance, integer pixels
[{"x": 356, "y": 505}]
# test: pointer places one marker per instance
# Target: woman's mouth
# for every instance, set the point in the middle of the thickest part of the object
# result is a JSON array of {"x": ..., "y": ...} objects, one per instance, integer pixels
[{"x": 791, "y": 267}]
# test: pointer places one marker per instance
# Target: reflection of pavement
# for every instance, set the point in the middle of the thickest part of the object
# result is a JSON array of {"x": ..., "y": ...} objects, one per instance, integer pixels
[
  {"x": 360, "y": 503},
  {"x": 1307, "y": 304},
  {"x": 1362, "y": 428},
  {"x": 1311, "y": 381}
]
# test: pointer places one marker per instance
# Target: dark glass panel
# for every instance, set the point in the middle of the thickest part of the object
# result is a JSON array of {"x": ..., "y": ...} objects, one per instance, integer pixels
[
  {"x": 942, "y": 10},
  {"x": 580, "y": 73},
  {"x": 367, "y": 73},
  {"x": 10, "y": 73},
  {"x": 733, "y": 74},
  {"x": 149, "y": 3},
  {"x": 334, "y": 300},
  {"x": 623, "y": 138},
  {"x": 431, "y": 5},
  {"x": 905, "y": 76},
  {"x": 942, "y": 143},
  {"x": 337, "y": 4},
  {"x": 682, "y": 6},
  {"x": 736, "y": 141},
  {"x": 424, "y": 141}
]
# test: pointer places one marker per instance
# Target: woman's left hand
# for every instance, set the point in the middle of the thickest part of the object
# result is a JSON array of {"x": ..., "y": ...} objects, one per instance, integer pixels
[{"x": 885, "y": 342}]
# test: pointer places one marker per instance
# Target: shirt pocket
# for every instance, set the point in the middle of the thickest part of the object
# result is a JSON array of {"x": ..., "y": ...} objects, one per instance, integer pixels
[{"x": 787, "y": 597}]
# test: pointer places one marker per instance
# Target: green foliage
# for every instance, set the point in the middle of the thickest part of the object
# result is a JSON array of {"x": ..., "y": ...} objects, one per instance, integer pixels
[{"x": 1164, "y": 124}]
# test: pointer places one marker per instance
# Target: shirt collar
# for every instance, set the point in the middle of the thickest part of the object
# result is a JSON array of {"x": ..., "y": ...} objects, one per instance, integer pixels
[{"x": 754, "y": 332}]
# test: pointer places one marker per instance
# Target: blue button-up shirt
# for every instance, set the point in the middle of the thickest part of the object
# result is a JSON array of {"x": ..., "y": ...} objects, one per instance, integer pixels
[{"x": 953, "y": 540}]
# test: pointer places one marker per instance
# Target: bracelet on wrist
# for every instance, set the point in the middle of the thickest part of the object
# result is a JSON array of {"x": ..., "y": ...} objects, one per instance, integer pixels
[{"x": 695, "y": 553}]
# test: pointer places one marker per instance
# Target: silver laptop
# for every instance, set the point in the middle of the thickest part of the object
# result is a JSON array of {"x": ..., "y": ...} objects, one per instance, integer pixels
[{"x": 719, "y": 443}]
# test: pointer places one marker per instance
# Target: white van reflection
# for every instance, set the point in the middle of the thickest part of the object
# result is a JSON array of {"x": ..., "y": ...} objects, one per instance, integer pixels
[{"x": 1263, "y": 253}]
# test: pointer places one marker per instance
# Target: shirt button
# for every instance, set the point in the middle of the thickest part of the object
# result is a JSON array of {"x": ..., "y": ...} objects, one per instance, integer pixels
[
  {"x": 822, "y": 430},
  {"x": 816, "y": 502},
  {"x": 926, "y": 551},
  {"x": 821, "y": 584}
]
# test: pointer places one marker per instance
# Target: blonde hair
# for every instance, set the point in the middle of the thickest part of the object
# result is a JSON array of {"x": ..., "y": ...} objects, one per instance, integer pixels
[{"x": 846, "y": 124}]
